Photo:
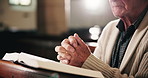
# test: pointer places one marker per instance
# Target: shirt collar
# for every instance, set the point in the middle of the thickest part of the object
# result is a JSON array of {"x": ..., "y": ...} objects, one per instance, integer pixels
[{"x": 120, "y": 26}]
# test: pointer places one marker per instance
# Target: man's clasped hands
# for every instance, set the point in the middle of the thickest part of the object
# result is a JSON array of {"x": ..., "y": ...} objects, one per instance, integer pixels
[{"x": 73, "y": 51}]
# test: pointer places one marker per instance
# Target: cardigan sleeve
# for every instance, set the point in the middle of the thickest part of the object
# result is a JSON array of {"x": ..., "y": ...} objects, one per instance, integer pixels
[
  {"x": 94, "y": 63},
  {"x": 143, "y": 68}
]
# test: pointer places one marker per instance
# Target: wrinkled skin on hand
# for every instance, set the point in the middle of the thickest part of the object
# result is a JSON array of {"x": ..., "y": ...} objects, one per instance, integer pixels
[{"x": 73, "y": 51}]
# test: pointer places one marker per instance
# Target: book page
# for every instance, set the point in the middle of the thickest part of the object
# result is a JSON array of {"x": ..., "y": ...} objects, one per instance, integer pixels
[
  {"x": 39, "y": 62},
  {"x": 11, "y": 57},
  {"x": 70, "y": 69}
]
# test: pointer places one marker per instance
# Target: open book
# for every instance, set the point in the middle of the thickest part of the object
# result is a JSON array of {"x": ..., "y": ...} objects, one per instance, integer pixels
[{"x": 39, "y": 62}]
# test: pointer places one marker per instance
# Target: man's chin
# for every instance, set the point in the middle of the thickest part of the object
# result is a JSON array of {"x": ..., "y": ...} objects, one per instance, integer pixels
[{"x": 118, "y": 14}]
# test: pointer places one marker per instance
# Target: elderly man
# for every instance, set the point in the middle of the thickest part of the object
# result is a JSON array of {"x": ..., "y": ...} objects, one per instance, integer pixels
[{"x": 122, "y": 49}]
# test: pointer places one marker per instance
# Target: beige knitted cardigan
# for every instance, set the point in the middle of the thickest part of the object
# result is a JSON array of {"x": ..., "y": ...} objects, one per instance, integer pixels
[{"x": 135, "y": 60}]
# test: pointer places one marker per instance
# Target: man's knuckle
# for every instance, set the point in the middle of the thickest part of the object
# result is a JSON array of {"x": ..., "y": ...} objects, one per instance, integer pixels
[
  {"x": 64, "y": 55},
  {"x": 68, "y": 46},
  {"x": 56, "y": 48},
  {"x": 58, "y": 57},
  {"x": 60, "y": 48},
  {"x": 69, "y": 37},
  {"x": 64, "y": 42}
]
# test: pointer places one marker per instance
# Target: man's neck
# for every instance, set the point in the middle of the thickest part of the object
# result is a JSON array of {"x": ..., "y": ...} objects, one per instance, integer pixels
[{"x": 131, "y": 18}]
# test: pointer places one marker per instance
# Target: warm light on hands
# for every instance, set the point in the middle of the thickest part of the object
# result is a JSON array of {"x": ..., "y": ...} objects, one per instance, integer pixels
[{"x": 73, "y": 51}]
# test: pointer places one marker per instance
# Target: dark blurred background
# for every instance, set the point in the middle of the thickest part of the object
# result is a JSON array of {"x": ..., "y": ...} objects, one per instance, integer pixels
[{"x": 37, "y": 26}]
